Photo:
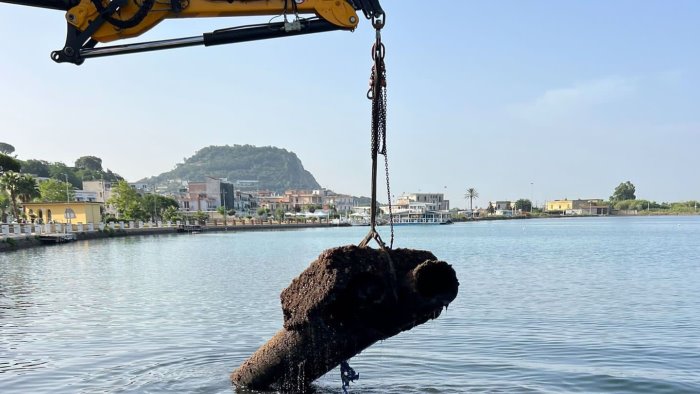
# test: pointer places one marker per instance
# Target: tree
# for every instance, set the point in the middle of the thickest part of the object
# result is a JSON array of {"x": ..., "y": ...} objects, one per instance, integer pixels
[
  {"x": 28, "y": 188},
  {"x": 153, "y": 205},
  {"x": 222, "y": 211},
  {"x": 127, "y": 202},
  {"x": 523, "y": 205},
  {"x": 8, "y": 163},
  {"x": 279, "y": 214},
  {"x": 471, "y": 194},
  {"x": 8, "y": 183},
  {"x": 200, "y": 217},
  {"x": 18, "y": 187},
  {"x": 171, "y": 214},
  {"x": 491, "y": 210},
  {"x": 4, "y": 206},
  {"x": 6, "y": 148},
  {"x": 54, "y": 190},
  {"x": 111, "y": 176},
  {"x": 89, "y": 163},
  {"x": 624, "y": 191},
  {"x": 60, "y": 171},
  {"x": 36, "y": 167}
]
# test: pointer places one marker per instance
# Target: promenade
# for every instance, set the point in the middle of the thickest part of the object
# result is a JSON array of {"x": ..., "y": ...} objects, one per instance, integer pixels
[{"x": 20, "y": 236}]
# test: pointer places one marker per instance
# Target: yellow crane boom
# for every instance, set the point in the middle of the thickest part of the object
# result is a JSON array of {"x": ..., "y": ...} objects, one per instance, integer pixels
[{"x": 90, "y": 22}]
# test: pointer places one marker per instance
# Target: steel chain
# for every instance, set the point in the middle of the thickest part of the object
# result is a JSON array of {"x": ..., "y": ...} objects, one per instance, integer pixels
[
  {"x": 378, "y": 94},
  {"x": 382, "y": 134}
]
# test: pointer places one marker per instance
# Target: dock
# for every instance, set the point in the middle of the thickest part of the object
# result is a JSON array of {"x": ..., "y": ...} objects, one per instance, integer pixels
[
  {"x": 57, "y": 238},
  {"x": 189, "y": 228}
]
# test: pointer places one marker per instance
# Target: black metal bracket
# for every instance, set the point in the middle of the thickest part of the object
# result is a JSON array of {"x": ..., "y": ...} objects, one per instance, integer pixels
[
  {"x": 371, "y": 8},
  {"x": 77, "y": 41}
]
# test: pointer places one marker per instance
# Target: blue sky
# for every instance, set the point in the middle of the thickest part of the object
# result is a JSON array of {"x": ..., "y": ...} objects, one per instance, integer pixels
[{"x": 536, "y": 99}]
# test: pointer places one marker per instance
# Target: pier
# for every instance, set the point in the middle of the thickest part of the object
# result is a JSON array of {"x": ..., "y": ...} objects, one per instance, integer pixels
[{"x": 57, "y": 238}]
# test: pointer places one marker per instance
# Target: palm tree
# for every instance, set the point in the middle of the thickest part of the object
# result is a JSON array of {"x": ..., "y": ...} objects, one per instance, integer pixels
[
  {"x": 471, "y": 194},
  {"x": 222, "y": 211},
  {"x": 28, "y": 189},
  {"x": 22, "y": 187}
]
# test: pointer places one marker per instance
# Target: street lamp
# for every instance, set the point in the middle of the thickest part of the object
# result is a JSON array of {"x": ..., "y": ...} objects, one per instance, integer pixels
[
  {"x": 225, "y": 224},
  {"x": 155, "y": 201},
  {"x": 67, "y": 194}
]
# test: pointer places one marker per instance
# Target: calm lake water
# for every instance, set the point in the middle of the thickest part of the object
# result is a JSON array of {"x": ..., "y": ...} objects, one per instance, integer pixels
[{"x": 560, "y": 305}]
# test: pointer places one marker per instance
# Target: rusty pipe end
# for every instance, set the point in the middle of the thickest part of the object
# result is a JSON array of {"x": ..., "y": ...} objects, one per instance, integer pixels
[{"x": 436, "y": 281}]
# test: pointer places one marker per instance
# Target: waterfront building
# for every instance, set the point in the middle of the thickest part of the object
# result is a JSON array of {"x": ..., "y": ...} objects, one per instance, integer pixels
[
  {"x": 304, "y": 198},
  {"x": 433, "y": 201},
  {"x": 244, "y": 202},
  {"x": 503, "y": 208},
  {"x": 273, "y": 201},
  {"x": 207, "y": 195},
  {"x": 421, "y": 208},
  {"x": 341, "y": 202},
  {"x": 578, "y": 207},
  {"x": 60, "y": 212},
  {"x": 503, "y": 205}
]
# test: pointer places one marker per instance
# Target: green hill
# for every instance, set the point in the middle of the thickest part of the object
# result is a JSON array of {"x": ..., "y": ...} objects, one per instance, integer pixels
[{"x": 274, "y": 168}]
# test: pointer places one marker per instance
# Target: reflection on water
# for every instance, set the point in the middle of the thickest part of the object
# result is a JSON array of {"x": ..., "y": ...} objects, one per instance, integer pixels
[{"x": 592, "y": 305}]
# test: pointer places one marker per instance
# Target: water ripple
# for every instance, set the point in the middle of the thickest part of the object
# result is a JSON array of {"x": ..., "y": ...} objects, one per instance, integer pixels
[{"x": 545, "y": 306}]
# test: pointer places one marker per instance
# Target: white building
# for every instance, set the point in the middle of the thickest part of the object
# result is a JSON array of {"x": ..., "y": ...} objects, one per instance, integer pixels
[
  {"x": 209, "y": 195},
  {"x": 85, "y": 196},
  {"x": 432, "y": 201},
  {"x": 421, "y": 208},
  {"x": 101, "y": 188},
  {"x": 341, "y": 202}
]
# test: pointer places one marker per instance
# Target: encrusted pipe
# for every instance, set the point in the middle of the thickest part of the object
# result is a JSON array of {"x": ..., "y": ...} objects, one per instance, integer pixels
[{"x": 346, "y": 300}]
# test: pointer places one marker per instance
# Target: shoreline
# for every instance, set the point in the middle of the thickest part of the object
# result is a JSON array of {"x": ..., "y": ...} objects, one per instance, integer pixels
[
  {"x": 651, "y": 214},
  {"x": 13, "y": 243}
]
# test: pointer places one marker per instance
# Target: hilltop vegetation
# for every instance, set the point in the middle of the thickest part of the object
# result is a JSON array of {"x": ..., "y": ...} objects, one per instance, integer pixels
[
  {"x": 18, "y": 185},
  {"x": 274, "y": 168},
  {"x": 86, "y": 168}
]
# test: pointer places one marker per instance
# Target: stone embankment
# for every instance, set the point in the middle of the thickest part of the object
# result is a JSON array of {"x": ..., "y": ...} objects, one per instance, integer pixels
[{"x": 21, "y": 236}]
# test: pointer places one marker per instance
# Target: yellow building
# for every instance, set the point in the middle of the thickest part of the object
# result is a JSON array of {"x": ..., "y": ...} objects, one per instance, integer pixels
[
  {"x": 579, "y": 207},
  {"x": 560, "y": 205},
  {"x": 83, "y": 212}
]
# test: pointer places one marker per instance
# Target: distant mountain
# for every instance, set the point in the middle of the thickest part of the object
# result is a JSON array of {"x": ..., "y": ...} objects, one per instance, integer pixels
[{"x": 274, "y": 168}]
